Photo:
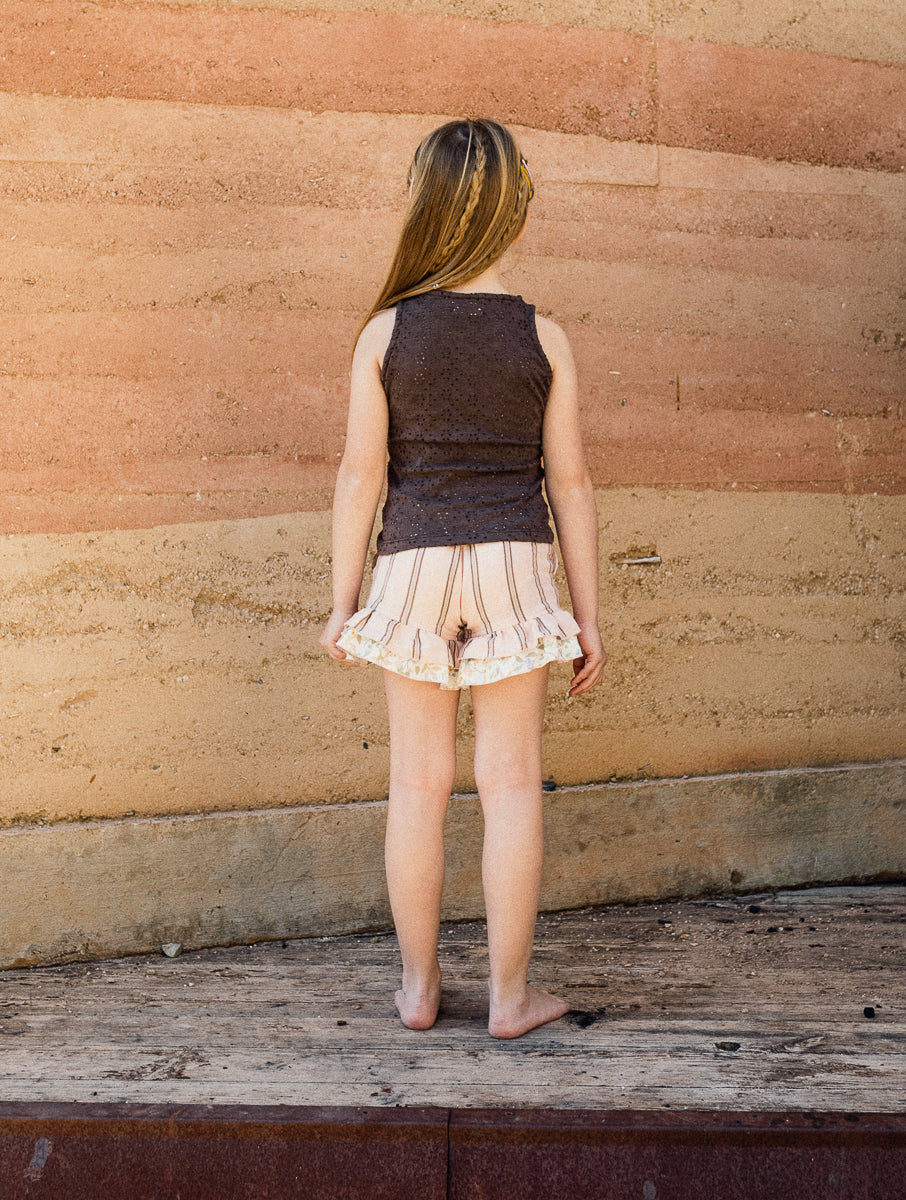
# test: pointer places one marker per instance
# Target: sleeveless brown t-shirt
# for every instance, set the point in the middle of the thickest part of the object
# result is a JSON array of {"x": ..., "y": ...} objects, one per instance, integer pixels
[{"x": 466, "y": 382}]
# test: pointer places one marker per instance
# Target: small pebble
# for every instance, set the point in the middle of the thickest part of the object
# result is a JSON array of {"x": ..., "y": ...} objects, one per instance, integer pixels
[
  {"x": 171, "y": 949},
  {"x": 868, "y": 1010}
]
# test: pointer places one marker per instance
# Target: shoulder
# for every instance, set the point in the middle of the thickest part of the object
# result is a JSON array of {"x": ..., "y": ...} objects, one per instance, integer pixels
[
  {"x": 554, "y": 342},
  {"x": 375, "y": 337}
]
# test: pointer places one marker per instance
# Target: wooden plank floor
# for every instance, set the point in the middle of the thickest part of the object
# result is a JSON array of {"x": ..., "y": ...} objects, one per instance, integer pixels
[{"x": 746, "y": 1003}]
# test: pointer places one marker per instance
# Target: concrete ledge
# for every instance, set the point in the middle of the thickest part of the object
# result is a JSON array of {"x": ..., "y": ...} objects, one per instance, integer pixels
[{"x": 104, "y": 889}]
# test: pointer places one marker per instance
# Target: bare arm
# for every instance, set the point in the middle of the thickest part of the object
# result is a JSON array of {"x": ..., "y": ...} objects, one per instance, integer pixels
[
  {"x": 572, "y": 500},
  {"x": 360, "y": 478}
]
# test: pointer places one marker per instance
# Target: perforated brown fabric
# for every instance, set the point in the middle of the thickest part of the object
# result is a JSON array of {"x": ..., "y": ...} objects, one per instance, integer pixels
[{"x": 467, "y": 382}]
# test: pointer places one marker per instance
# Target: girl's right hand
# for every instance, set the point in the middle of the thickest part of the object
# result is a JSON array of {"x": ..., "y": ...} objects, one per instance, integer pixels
[
  {"x": 589, "y": 669},
  {"x": 331, "y": 632}
]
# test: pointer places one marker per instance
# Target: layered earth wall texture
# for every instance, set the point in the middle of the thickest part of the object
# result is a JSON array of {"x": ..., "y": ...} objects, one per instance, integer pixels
[{"x": 198, "y": 202}]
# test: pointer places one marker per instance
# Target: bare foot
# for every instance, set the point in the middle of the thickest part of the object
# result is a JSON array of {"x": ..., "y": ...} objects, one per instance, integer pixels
[
  {"x": 418, "y": 1005},
  {"x": 537, "y": 1008}
]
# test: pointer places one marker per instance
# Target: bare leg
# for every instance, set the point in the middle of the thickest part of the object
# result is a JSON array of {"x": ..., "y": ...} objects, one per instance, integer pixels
[
  {"x": 508, "y": 719},
  {"x": 422, "y": 765}
]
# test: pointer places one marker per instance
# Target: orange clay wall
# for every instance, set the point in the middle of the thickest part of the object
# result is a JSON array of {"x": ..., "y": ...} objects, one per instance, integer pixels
[{"x": 198, "y": 202}]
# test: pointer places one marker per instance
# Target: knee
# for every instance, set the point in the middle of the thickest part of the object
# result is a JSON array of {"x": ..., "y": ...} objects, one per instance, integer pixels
[
  {"x": 422, "y": 783},
  {"x": 500, "y": 775}
]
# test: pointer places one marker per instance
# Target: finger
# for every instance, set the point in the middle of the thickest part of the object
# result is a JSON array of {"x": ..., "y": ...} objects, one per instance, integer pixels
[
  {"x": 335, "y": 652},
  {"x": 579, "y": 689},
  {"x": 588, "y": 662},
  {"x": 579, "y": 682},
  {"x": 588, "y": 677}
]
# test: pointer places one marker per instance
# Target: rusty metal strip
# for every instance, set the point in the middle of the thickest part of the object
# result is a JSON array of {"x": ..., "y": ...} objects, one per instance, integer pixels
[
  {"x": 200, "y": 1152},
  {"x": 155, "y": 1152},
  {"x": 685, "y": 1155}
]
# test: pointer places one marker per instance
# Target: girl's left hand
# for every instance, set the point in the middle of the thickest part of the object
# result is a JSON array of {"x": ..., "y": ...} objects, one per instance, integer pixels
[
  {"x": 331, "y": 632},
  {"x": 589, "y": 669}
]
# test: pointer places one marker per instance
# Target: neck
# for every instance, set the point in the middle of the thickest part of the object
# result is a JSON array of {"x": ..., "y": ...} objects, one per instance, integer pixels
[{"x": 489, "y": 280}]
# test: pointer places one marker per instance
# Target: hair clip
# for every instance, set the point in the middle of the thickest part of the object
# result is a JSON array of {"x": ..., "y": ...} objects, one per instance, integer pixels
[{"x": 523, "y": 167}]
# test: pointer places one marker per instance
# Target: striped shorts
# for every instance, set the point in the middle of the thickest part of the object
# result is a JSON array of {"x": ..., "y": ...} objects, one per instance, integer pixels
[{"x": 463, "y": 615}]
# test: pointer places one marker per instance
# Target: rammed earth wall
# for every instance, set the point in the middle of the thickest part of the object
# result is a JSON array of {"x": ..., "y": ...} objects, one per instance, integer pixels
[{"x": 198, "y": 202}]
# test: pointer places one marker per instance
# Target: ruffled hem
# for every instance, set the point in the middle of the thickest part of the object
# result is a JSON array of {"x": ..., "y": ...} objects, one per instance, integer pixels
[
  {"x": 471, "y": 670},
  {"x": 409, "y": 641}
]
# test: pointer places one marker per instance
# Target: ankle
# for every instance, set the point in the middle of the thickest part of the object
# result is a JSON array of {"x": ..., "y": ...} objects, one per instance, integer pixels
[
  {"x": 421, "y": 981},
  {"x": 508, "y": 995}
]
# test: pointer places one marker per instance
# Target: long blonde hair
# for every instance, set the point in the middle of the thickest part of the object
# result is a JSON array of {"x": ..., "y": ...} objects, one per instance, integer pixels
[{"x": 470, "y": 189}]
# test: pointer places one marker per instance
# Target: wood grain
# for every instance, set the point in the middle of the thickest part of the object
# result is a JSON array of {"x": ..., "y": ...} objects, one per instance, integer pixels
[{"x": 752, "y": 1002}]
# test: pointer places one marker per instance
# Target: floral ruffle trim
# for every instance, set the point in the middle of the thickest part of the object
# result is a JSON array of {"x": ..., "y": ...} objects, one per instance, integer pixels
[
  {"x": 471, "y": 671},
  {"x": 424, "y": 645}
]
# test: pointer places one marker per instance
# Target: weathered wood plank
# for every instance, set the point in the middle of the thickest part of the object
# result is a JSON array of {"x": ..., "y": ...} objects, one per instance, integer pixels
[
  {"x": 754, "y": 1002},
  {"x": 679, "y": 1070}
]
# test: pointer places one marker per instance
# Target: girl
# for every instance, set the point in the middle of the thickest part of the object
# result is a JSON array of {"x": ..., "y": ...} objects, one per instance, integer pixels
[{"x": 468, "y": 390}]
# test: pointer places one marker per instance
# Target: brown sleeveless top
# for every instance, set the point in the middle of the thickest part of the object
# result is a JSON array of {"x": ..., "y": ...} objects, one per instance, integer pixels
[{"x": 466, "y": 382}]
